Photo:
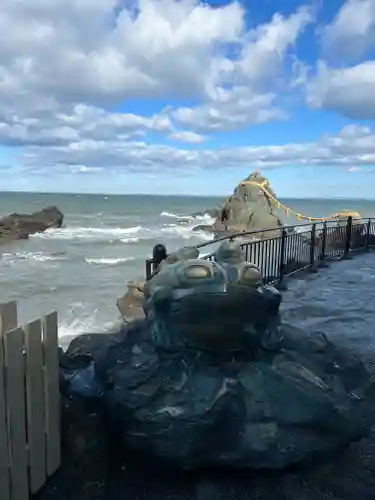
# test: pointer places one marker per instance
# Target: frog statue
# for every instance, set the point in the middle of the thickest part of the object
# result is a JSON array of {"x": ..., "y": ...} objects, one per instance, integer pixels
[
  {"x": 212, "y": 377},
  {"x": 218, "y": 305}
]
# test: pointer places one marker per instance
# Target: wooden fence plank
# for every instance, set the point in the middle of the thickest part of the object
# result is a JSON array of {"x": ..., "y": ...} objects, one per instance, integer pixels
[
  {"x": 8, "y": 320},
  {"x": 4, "y": 456},
  {"x": 15, "y": 400},
  {"x": 52, "y": 392},
  {"x": 8, "y": 316},
  {"x": 35, "y": 402}
]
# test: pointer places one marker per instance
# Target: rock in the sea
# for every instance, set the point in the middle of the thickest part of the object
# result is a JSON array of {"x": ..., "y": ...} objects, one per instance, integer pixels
[
  {"x": 212, "y": 378},
  {"x": 21, "y": 226},
  {"x": 249, "y": 208}
]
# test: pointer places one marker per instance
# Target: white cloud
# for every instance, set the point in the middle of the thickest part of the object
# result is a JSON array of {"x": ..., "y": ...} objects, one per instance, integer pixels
[
  {"x": 344, "y": 82},
  {"x": 67, "y": 65},
  {"x": 187, "y": 136},
  {"x": 354, "y": 146},
  {"x": 60, "y": 56},
  {"x": 352, "y": 32},
  {"x": 349, "y": 91},
  {"x": 246, "y": 98},
  {"x": 81, "y": 51},
  {"x": 230, "y": 110}
]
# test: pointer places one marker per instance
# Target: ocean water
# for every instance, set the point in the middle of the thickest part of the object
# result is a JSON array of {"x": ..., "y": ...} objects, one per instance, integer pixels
[{"x": 81, "y": 269}]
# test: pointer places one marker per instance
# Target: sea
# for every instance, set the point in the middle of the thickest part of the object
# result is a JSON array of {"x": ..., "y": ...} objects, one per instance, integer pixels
[{"x": 81, "y": 269}]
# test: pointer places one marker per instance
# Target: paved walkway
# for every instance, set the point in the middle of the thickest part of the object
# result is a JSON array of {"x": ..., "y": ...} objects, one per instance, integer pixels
[{"x": 339, "y": 301}]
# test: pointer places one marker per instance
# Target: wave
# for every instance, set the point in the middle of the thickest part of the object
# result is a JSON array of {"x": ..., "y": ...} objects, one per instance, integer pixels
[
  {"x": 83, "y": 318},
  {"x": 88, "y": 233},
  {"x": 129, "y": 235},
  {"x": 108, "y": 261},
  {"x": 206, "y": 218},
  {"x": 11, "y": 258},
  {"x": 176, "y": 216},
  {"x": 184, "y": 232},
  {"x": 129, "y": 240}
]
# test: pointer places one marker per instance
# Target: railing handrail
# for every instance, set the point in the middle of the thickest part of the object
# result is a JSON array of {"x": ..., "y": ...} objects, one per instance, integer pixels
[
  {"x": 322, "y": 229},
  {"x": 276, "y": 228}
]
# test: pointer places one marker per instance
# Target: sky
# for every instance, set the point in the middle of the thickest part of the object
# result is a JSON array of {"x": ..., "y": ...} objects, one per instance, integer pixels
[{"x": 187, "y": 97}]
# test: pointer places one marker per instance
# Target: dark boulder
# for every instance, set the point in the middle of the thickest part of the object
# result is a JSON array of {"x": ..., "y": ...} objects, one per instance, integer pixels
[
  {"x": 212, "y": 377},
  {"x": 21, "y": 226}
]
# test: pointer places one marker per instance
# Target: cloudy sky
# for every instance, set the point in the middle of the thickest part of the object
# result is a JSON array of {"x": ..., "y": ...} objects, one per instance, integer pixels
[{"x": 165, "y": 96}]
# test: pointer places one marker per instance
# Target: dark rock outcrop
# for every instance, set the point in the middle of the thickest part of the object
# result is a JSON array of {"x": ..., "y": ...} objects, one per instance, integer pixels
[
  {"x": 21, "y": 226},
  {"x": 212, "y": 377},
  {"x": 249, "y": 208}
]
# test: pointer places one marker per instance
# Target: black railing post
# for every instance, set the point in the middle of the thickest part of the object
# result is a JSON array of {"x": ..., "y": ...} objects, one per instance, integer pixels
[
  {"x": 368, "y": 229},
  {"x": 324, "y": 239},
  {"x": 281, "y": 284},
  {"x": 322, "y": 256},
  {"x": 348, "y": 238},
  {"x": 313, "y": 267}
]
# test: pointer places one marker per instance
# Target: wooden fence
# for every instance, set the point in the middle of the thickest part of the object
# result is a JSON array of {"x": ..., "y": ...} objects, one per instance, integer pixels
[{"x": 29, "y": 403}]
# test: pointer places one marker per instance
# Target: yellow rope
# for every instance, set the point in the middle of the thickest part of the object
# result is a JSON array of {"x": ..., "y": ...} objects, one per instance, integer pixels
[{"x": 263, "y": 186}]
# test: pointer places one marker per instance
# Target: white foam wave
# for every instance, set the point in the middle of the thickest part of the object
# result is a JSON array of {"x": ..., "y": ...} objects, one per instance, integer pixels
[
  {"x": 184, "y": 232},
  {"x": 82, "y": 318},
  {"x": 89, "y": 233},
  {"x": 109, "y": 261},
  {"x": 204, "y": 218},
  {"x": 129, "y": 240},
  {"x": 124, "y": 235},
  {"x": 175, "y": 216},
  {"x": 10, "y": 258},
  {"x": 182, "y": 228}
]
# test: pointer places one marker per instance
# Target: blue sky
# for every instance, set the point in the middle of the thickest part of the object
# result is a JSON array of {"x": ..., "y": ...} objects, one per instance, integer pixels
[{"x": 159, "y": 96}]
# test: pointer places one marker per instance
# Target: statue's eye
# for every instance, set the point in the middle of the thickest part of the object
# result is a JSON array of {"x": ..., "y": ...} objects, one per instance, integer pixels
[
  {"x": 197, "y": 272},
  {"x": 249, "y": 275}
]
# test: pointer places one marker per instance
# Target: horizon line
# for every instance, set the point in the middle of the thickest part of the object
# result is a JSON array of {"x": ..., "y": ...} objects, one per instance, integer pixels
[{"x": 179, "y": 195}]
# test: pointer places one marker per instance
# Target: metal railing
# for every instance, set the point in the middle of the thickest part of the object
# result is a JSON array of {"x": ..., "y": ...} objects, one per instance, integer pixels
[{"x": 295, "y": 248}]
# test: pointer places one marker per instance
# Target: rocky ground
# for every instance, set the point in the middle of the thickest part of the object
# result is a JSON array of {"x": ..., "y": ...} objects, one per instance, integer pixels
[{"x": 337, "y": 301}]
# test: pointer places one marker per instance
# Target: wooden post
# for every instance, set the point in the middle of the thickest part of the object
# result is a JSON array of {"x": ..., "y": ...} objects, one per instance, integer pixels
[
  {"x": 8, "y": 321},
  {"x": 35, "y": 405},
  {"x": 52, "y": 392},
  {"x": 16, "y": 408}
]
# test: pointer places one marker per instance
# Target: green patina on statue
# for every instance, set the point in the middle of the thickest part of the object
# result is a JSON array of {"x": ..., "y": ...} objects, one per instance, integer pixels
[{"x": 196, "y": 302}]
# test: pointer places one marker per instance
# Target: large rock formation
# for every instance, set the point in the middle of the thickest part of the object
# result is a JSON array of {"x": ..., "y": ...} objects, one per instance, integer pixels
[
  {"x": 212, "y": 377},
  {"x": 20, "y": 226},
  {"x": 249, "y": 208}
]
